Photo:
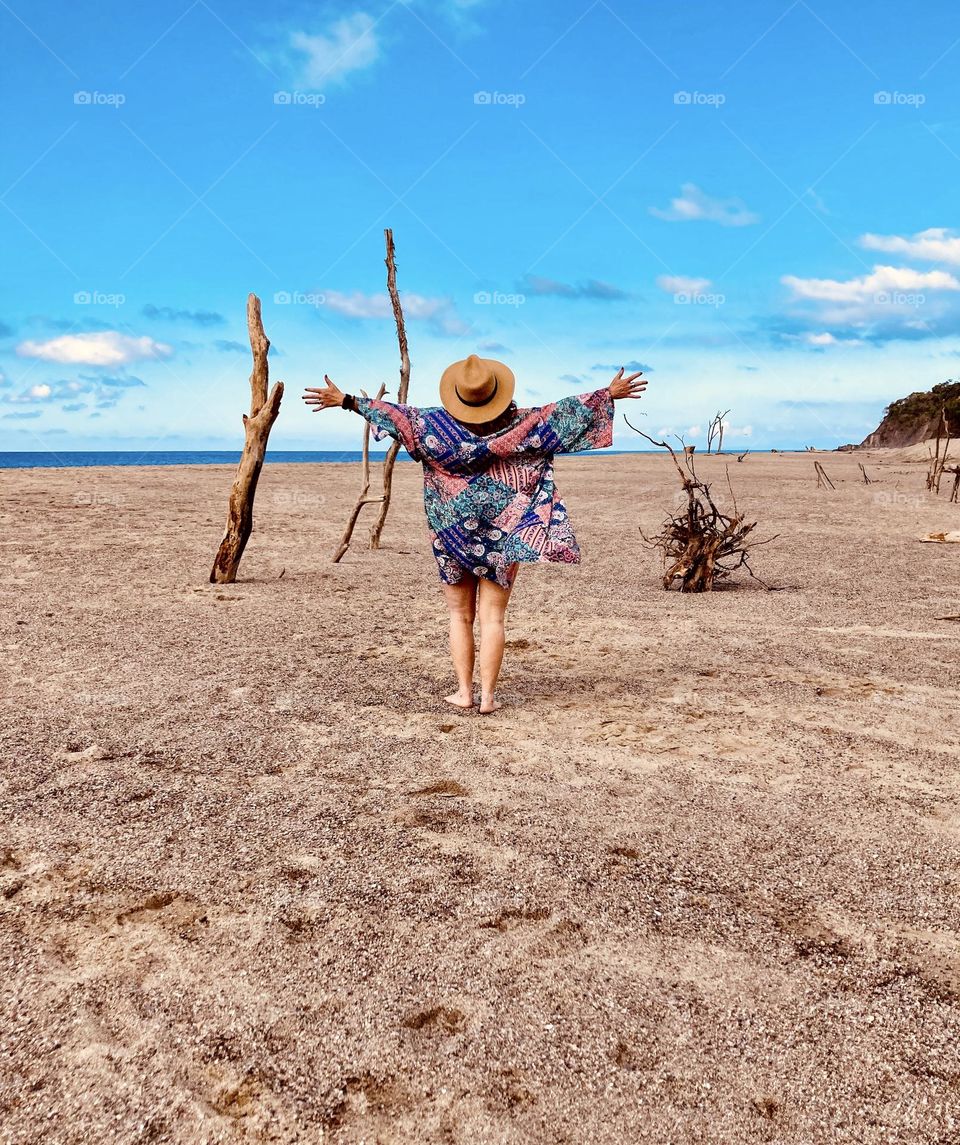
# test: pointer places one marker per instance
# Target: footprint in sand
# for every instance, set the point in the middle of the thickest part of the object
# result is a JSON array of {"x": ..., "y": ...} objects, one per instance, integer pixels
[
  {"x": 516, "y": 916},
  {"x": 444, "y": 1020},
  {"x": 447, "y": 787}
]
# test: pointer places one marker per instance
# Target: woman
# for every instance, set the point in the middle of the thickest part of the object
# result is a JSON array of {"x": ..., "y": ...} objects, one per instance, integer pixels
[{"x": 488, "y": 491}]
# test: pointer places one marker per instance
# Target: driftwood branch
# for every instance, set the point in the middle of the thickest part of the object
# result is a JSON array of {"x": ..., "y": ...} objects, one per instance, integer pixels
[
  {"x": 938, "y": 462},
  {"x": 391, "y": 457},
  {"x": 363, "y": 499},
  {"x": 390, "y": 460},
  {"x": 701, "y": 544},
  {"x": 715, "y": 430},
  {"x": 264, "y": 408},
  {"x": 823, "y": 481}
]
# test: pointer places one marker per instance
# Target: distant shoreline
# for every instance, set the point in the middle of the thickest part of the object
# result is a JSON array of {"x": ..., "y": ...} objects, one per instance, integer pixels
[{"x": 88, "y": 459}]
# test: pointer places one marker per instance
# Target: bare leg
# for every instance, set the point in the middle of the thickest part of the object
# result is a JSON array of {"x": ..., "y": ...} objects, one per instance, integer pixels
[
  {"x": 462, "y": 602},
  {"x": 492, "y": 603}
]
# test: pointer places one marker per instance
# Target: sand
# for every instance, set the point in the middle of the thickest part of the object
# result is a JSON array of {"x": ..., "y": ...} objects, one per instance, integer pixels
[{"x": 697, "y": 882}]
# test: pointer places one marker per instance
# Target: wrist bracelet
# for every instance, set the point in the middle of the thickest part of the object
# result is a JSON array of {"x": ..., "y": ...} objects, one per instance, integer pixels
[{"x": 347, "y": 402}]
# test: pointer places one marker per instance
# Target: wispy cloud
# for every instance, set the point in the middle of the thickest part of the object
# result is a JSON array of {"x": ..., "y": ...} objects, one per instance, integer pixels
[
  {"x": 105, "y": 348},
  {"x": 695, "y": 205},
  {"x": 629, "y": 366},
  {"x": 196, "y": 317},
  {"x": 317, "y": 59},
  {"x": 936, "y": 244},
  {"x": 105, "y": 391},
  {"x": 439, "y": 313},
  {"x": 592, "y": 288},
  {"x": 226, "y": 346},
  {"x": 680, "y": 284},
  {"x": 890, "y": 303},
  {"x": 869, "y": 288}
]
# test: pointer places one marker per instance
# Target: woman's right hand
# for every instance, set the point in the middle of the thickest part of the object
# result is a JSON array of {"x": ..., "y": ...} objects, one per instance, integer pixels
[
  {"x": 628, "y": 387},
  {"x": 326, "y": 398}
]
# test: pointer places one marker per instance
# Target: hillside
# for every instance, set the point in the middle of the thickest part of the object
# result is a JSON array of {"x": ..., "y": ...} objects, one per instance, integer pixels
[{"x": 913, "y": 419}]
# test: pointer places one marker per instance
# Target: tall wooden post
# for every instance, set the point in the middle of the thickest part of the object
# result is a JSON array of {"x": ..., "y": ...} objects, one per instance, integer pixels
[
  {"x": 256, "y": 426},
  {"x": 390, "y": 459}
]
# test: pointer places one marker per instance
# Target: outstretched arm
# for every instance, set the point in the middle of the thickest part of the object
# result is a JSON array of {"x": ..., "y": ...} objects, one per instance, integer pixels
[
  {"x": 585, "y": 421},
  {"x": 327, "y": 398},
  {"x": 396, "y": 421},
  {"x": 630, "y": 387}
]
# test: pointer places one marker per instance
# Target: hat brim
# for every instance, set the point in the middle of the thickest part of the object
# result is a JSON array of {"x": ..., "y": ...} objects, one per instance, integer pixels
[{"x": 500, "y": 399}]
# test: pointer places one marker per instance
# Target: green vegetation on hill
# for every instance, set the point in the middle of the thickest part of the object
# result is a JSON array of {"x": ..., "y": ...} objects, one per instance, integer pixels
[{"x": 922, "y": 409}]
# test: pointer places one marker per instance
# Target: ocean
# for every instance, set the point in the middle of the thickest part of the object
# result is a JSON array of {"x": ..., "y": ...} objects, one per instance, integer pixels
[{"x": 68, "y": 459}]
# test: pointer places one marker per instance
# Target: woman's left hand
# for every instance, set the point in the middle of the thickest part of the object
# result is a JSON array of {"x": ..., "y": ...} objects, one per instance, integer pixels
[
  {"x": 628, "y": 387},
  {"x": 326, "y": 398}
]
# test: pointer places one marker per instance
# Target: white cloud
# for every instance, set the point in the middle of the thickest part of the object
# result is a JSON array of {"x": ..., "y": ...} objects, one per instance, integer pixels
[
  {"x": 679, "y": 284},
  {"x": 105, "y": 390},
  {"x": 694, "y": 204},
  {"x": 438, "y": 312},
  {"x": 881, "y": 281},
  {"x": 349, "y": 45},
  {"x": 102, "y": 348},
  {"x": 820, "y": 340},
  {"x": 936, "y": 244}
]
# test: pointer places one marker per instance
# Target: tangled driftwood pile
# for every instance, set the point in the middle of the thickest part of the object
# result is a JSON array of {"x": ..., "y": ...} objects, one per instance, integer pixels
[{"x": 701, "y": 544}]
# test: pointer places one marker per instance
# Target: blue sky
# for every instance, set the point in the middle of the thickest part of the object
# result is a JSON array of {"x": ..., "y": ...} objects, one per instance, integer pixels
[{"x": 756, "y": 201}]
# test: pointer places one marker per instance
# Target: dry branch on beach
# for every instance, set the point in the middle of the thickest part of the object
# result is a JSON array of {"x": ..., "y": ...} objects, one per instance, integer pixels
[
  {"x": 939, "y": 459},
  {"x": 256, "y": 427},
  {"x": 390, "y": 460},
  {"x": 701, "y": 544}
]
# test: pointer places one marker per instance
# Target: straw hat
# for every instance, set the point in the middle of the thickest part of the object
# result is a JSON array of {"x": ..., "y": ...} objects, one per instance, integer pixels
[{"x": 476, "y": 389}]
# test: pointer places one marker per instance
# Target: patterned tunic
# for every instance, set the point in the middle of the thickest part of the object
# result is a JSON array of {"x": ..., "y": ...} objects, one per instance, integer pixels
[{"x": 491, "y": 500}]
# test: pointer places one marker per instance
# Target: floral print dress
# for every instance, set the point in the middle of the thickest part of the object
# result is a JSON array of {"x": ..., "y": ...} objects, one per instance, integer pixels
[{"x": 491, "y": 500}]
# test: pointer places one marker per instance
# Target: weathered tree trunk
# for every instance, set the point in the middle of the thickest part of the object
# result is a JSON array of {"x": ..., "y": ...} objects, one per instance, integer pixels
[
  {"x": 263, "y": 413},
  {"x": 394, "y": 449}
]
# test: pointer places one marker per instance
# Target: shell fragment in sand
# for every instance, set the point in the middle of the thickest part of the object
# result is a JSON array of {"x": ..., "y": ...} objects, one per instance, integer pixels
[{"x": 952, "y": 538}]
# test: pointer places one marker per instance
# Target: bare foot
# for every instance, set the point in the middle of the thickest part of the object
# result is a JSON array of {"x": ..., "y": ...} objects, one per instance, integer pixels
[
  {"x": 488, "y": 707},
  {"x": 460, "y": 700}
]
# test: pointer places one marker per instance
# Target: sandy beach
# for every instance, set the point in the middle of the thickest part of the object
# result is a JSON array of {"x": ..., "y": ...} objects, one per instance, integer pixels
[{"x": 696, "y": 882}]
